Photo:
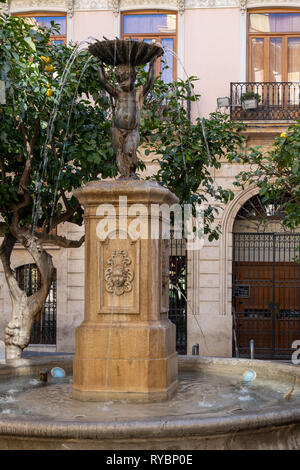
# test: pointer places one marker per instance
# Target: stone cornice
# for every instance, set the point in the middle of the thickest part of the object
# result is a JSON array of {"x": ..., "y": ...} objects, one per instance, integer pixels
[
  {"x": 122, "y": 5},
  {"x": 42, "y": 5},
  {"x": 273, "y": 3},
  {"x": 247, "y": 4}
]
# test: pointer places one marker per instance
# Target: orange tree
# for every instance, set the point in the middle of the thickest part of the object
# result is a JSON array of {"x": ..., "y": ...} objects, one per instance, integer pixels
[{"x": 41, "y": 159}]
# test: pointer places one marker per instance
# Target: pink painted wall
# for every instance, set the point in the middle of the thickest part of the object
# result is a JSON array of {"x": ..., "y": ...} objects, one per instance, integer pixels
[
  {"x": 211, "y": 42},
  {"x": 212, "y": 52},
  {"x": 93, "y": 23}
]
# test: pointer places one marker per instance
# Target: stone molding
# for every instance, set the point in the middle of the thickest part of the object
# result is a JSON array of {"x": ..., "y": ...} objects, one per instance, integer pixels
[
  {"x": 271, "y": 3},
  {"x": 177, "y": 5},
  {"x": 122, "y": 5},
  {"x": 114, "y": 6},
  {"x": 40, "y": 5},
  {"x": 246, "y": 4},
  {"x": 243, "y": 6}
]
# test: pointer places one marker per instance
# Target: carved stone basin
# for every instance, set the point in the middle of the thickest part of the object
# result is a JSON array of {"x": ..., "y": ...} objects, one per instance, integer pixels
[
  {"x": 212, "y": 409},
  {"x": 125, "y": 52}
]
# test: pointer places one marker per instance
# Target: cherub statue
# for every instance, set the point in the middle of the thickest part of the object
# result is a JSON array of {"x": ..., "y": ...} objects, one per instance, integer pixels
[{"x": 129, "y": 100}]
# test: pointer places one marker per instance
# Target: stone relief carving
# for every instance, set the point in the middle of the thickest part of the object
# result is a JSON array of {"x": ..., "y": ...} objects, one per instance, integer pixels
[
  {"x": 176, "y": 5},
  {"x": 92, "y": 5},
  {"x": 243, "y": 6},
  {"x": 181, "y": 6},
  {"x": 70, "y": 8},
  {"x": 114, "y": 5},
  {"x": 118, "y": 275},
  {"x": 272, "y": 3},
  {"x": 60, "y": 5},
  {"x": 211, "y": 3},
  {"x": 117, "y": 5}
]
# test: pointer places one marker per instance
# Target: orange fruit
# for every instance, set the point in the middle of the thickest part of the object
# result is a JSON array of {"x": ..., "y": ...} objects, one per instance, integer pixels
[{"x": 45, "y": 59}]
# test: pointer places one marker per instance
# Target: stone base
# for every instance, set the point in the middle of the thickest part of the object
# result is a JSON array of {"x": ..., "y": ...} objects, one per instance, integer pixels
[
  {"x": 126, "y": 346},
  {"x": 135, "y": 362}
]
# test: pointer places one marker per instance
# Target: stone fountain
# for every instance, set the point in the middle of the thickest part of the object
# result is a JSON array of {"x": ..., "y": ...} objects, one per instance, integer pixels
[{"x": 125, "y": 347}]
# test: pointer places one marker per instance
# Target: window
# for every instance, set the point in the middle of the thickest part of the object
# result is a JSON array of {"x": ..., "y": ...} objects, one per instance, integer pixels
[
  {"x": 44, "y": 19},
  {"x": 44, "y": 325},
  {"x": 149, "y": 27},
  {"x": 274, "y": 46}
]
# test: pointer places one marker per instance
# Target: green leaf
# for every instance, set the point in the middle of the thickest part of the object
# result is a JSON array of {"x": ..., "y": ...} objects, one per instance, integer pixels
[{"x": 30, "y": 43}]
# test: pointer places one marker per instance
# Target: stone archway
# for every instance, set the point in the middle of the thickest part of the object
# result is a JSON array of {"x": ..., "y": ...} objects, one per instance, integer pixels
[
  {"x": 228, "y": 220},
  {"x": 265, "y": 281}
]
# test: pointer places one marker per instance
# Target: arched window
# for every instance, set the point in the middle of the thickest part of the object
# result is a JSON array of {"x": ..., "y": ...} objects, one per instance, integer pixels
[
  {"x": 44, "y": 327},
  {"x": 158, "y": 26},
  {"x": 45, "y": 19}
]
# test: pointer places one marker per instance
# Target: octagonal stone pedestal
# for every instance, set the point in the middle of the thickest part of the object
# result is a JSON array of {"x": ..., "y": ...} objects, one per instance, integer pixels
[{"x": 125, "y": 347}]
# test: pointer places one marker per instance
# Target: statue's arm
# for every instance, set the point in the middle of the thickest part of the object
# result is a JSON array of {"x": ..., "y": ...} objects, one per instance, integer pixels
[
  {"x": 151, "y": 76},
  {"x": 105, "y": 83}
]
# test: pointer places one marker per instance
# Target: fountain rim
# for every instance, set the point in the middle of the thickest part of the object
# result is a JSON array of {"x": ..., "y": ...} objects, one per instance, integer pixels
[{"x": 144, "y": 429}]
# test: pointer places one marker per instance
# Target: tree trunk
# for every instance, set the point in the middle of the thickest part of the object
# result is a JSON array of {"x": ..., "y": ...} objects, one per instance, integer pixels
[{"x": 24, "y": 309}]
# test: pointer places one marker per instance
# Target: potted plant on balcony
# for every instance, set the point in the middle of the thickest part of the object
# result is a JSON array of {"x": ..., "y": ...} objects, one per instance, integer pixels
[{"x": 250, "y": 100}]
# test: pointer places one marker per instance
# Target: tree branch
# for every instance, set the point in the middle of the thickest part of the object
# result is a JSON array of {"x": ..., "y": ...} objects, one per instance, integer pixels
[
  {"x": 65, "y": 216},
  {"x": 16, "y": 208},
  {"x": 58, "y": 240},
  {"x": 5, "y": 254},
  {"x": 3, "y": 227},
  {"x": 29, "y": 148}
]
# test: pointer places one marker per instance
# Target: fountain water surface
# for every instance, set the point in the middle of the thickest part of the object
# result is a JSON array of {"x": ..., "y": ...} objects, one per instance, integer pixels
[{"x": 214, "y": 408}]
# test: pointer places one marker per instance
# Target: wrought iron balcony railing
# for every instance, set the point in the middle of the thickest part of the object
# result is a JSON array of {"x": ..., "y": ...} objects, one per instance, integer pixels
[{"x": 278, "y": 101}]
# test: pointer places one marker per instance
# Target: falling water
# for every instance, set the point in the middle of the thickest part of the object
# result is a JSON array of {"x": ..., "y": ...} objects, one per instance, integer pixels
[
  {"x": 50, "y": 130},
  {"x": 65, "y": 139}
]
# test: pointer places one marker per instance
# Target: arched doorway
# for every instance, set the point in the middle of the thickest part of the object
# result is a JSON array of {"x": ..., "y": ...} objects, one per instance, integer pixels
[
  {"x": 265, "y": 282},
  {"x": 44, "y": 326}
]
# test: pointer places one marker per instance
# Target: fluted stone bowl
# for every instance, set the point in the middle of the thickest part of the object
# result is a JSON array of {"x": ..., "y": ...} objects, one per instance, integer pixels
[{"x": 125, "y": 52}]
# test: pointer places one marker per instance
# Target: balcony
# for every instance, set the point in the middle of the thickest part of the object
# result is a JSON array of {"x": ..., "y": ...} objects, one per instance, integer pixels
[{"x": 278, "y": 101}]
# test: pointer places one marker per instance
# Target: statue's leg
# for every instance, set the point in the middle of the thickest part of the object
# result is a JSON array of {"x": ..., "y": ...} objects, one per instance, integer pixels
[
  {"x": 131, "y": 144},
  {"x": 118, "y": 140}
]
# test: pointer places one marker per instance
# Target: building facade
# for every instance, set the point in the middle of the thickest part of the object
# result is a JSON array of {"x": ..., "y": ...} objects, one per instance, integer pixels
[{"x": 233, "y": 47}]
